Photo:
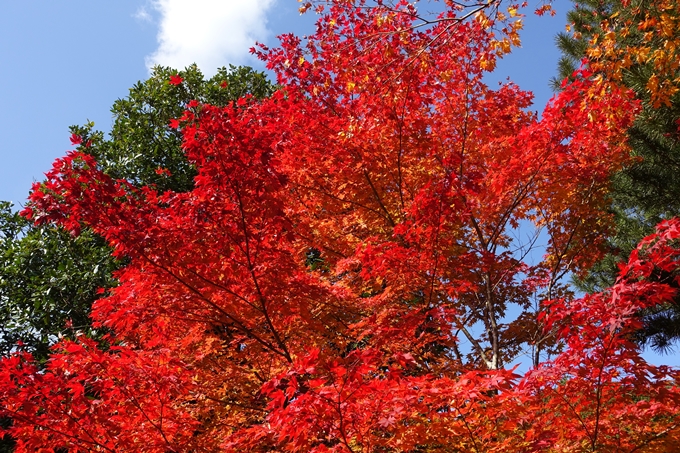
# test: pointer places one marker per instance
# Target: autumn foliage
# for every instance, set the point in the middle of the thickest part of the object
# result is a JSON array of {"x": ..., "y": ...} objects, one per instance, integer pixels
[
  {"x": 642, "y": 37},
  {"x": 353, "y": 273}
]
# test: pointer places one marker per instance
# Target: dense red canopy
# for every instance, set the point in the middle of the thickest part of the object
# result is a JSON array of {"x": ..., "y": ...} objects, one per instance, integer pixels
[{"x": 352, "y": 271}]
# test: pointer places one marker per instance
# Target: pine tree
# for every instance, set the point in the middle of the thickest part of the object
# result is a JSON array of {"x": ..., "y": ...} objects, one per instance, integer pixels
[{"x": 627, "y": 41}]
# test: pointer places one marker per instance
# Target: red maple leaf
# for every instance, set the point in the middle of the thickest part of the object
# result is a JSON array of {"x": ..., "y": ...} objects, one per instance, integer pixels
[{"x": 76, "y": 139}]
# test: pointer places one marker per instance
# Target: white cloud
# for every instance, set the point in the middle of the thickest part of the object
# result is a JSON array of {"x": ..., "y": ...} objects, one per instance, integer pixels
[
  {"x": 210, "y": 33},
  {"x": 142, "y": 14}
]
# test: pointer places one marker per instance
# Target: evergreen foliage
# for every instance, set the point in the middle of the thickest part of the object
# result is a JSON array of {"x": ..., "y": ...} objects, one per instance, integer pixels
[
  {"x": 647, "y": 191},
  {"x": 141, "y": 140},
  {"x": 48, "y": 277}
]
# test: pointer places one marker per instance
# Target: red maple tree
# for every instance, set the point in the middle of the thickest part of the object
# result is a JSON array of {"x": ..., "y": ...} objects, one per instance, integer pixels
[{"x": 351, "y": 272}]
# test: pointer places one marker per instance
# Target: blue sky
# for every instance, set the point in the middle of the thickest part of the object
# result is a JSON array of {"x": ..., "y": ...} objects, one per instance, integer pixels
[{"x": 66, "y": 62}]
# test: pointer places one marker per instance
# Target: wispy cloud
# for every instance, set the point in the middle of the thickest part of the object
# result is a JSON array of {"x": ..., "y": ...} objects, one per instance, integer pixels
[
  {"x": 210, "y": 33},
  {"x": 142, "y": 14}
]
